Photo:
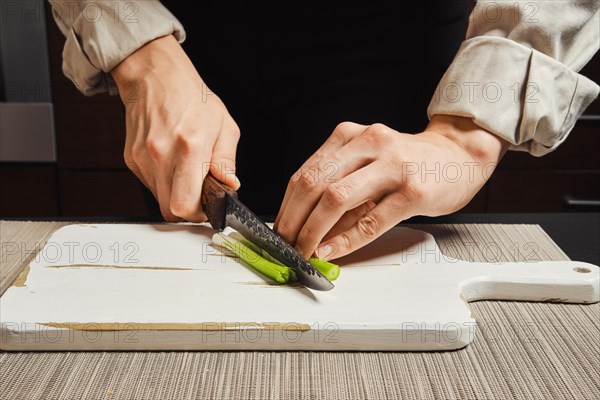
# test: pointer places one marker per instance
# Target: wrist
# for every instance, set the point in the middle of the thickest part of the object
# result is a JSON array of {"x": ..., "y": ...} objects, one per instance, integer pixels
[
  {"x": 160, "y": 55},
  {"x": 482, "y": 145}
]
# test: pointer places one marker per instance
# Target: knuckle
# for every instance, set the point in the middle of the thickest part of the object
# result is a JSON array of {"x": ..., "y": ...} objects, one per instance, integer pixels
[
  {"x": 155, "y": 149},
  {"x": 376, "y": 134},
  {"x": 166, "y": 212},
  {"x": 284, "y": 230},
  {"x": 371, "y": 136},
  {"x": 344, "y": 126},
  {"x": 294, "y": 179},
  {"x": 336, "y": 195},
  {"x": 282, "y": 227},
  {"x": 342, "y": 130},
  {"x": 130, "y": 163},
  {"x": 367, "y": 226},
  {"x": 235, "y": 131},
  {"x": 398, "y": 163},
  {"x": 185, "y": 143},
  {"x": 182, "y": 208},
  {"x": 307, "y": 236},
  {"x": 413, "y": 190},
  {"x": 137, "y": 153},
  {"x": 308, "y": 180},
  {"x": 379, "y": 127},
  {"x": 133, "y": 167},
  {"x": 345, "y": 243}
]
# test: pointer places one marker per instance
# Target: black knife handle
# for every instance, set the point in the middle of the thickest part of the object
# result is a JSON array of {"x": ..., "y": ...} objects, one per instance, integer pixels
[{"x": 214, "y": 200}]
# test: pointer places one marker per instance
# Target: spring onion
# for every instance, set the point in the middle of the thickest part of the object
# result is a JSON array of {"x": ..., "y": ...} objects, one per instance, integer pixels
[
  {"x": 262, "y": 252},
  {"x": 329, "y": 270},
  {"x": 268, "y": 265},
  {"x": 278, "y": 273}
]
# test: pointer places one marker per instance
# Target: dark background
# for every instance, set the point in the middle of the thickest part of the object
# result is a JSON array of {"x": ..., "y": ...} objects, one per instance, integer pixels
[{"x": 91, "y": 179}]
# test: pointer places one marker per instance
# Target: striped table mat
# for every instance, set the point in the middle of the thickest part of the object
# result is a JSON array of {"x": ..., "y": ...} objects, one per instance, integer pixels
[{"x": 521, "y": 350}]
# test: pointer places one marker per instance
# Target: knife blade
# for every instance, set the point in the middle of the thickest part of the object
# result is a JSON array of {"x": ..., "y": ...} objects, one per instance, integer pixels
[{"x": 222, "y": 208}]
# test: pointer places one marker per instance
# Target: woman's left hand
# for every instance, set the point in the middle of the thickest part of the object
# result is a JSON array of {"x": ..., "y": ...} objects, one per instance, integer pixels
[{"x": 366, "y": 179}]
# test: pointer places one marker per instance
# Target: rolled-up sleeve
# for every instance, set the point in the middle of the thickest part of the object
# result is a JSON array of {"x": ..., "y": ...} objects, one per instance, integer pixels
[
  {"x": 516, "y": 74},
  {"x": 100, "y": 34}
]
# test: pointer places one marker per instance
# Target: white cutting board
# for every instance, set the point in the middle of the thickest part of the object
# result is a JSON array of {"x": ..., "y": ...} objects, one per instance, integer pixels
[{"x": 163, "y": 287}]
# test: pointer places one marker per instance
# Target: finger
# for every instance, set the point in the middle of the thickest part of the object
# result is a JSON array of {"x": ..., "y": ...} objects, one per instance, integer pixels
[
  {"x": 349, "y": 219},
  {"x": 368, "y": 183},
  {"x": 163, "y": 193},
  {"x": 222, "y": 164},
  {"x": 358, "y": 152},
  {"x": 341, "y": 135},
  {"x": 391, "y": 210},
  {"x": 187, "y": 184},
  {"x": 304, "y": 195},
  {"x": 134, "y": 166},
  {"x": 142, "y": 168},
  {"x": 147, "y": 181}
]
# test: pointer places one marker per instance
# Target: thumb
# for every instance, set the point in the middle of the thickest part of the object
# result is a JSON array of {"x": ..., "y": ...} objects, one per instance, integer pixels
[{"x": 222, "y": 164}]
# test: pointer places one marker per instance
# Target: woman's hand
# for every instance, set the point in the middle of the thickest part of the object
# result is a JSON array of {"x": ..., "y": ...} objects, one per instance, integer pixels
[
  {"x": 177, "y": 130},
  {"x": 366, "y": 179}
]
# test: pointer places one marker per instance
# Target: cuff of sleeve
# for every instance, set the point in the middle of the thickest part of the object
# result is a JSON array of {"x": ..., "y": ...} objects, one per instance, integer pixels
[
  {"x": 99, "y": 40},
  {"x": 525, "y": 97}
]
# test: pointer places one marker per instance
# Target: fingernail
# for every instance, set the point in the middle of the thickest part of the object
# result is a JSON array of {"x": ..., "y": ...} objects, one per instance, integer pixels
[{"x": 324, "y": 252}]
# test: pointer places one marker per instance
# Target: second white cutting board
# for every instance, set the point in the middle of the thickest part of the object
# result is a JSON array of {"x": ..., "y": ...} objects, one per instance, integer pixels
[{"x": 163, "y": 287}]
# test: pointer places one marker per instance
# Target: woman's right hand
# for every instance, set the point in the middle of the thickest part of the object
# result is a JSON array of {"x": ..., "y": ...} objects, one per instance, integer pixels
[{"x": 177, "y": 130}]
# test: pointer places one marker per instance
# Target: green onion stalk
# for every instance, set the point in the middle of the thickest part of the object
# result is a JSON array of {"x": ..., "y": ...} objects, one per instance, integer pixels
[{"x": 263, "y": 262}]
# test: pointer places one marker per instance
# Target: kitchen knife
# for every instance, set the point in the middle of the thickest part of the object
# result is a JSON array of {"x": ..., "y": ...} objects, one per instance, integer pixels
[{"x": 222, "y": 207}]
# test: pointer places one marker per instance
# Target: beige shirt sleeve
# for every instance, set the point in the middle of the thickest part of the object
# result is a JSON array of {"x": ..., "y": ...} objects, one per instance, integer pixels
[
  {"x": 516, "y": 73},
  {"x": 100, "y": 34}
]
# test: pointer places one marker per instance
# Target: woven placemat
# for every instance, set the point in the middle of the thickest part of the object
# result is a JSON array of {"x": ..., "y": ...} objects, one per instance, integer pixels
[{"x": 521, "y": 350}]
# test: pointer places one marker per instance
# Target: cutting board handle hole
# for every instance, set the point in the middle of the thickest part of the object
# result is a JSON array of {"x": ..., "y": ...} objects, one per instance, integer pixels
[{"x": 582, "y": 270}]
